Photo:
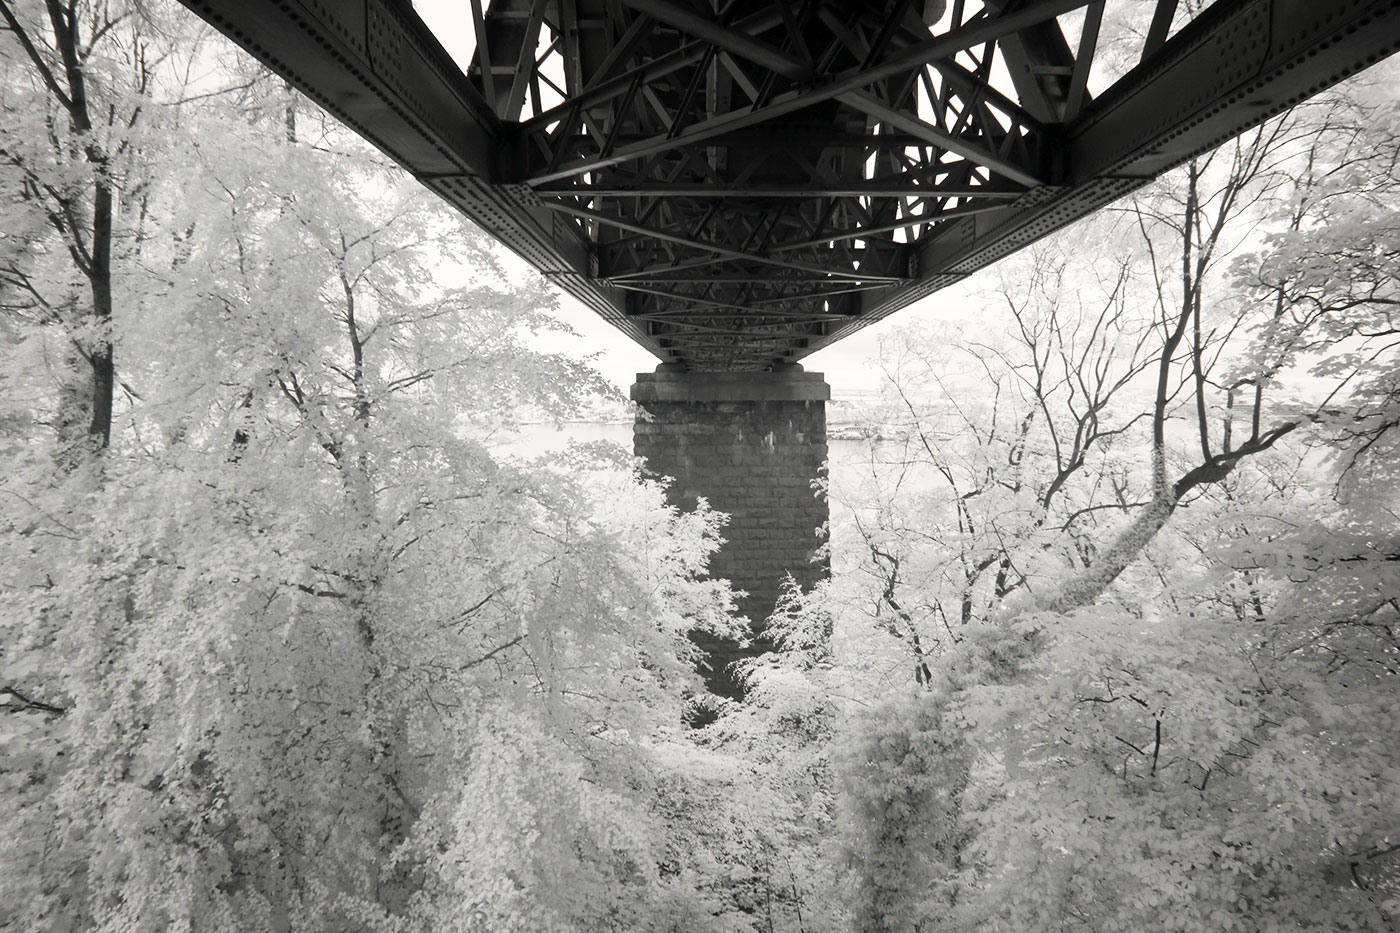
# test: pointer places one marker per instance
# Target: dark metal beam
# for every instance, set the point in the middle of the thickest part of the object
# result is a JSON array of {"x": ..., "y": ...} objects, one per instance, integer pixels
[
  {"x": 950, "y": 43},
  {"x": 601, "y": 91},
  {"x": 874, "y": 189},
  {"x": 713, "y": 249},
  {"x": 738, "y": 42},
  {"x": 980, "y": 155}
]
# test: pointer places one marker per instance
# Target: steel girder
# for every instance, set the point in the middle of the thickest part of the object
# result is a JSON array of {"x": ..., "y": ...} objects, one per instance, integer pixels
[{"x": 734, "y": 184}]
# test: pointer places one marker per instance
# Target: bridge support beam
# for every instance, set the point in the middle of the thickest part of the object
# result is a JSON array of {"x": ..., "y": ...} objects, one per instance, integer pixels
[{"x": 751, "y": 444}]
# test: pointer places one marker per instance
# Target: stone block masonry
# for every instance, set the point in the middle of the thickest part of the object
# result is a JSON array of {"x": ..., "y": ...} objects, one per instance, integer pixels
[{"x": 751, "y": 444}]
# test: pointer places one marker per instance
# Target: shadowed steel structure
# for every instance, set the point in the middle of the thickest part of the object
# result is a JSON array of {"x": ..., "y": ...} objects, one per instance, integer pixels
[{"x": 737, "y": 184}]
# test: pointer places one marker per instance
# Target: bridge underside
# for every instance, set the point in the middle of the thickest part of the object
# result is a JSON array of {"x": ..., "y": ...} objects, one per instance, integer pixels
[{"x": 737, "y": 184}]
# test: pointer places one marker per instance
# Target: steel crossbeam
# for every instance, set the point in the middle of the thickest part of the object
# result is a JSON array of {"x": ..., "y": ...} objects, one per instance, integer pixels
[{"x": 736, "y": 184}]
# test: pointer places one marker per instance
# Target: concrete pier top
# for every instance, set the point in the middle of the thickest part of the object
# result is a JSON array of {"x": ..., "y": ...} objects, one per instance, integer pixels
[{"x": 785, "y": 385}]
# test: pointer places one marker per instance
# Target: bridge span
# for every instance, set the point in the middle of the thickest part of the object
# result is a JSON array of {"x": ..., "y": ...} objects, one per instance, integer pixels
[{"x": 735, "y": 184}]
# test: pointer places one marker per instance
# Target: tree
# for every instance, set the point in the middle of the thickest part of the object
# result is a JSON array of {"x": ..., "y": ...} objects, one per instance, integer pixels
[
  {"x": 78, "y": 82},
  {"x": 1015, "y": 435},
  {"x": 307, "y": 652},
  {"x": 1186, "y": 732}
]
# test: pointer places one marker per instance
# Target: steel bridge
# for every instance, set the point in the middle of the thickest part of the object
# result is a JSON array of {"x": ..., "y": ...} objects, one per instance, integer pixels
[{"x": 735, "y": 184}]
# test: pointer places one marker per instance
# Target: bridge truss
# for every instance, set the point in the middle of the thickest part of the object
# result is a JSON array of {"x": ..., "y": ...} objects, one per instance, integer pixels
[{"x": 737, "y": 183}]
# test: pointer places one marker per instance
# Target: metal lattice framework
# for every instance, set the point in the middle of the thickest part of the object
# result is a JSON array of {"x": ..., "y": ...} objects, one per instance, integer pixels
[{"x": 734, "y": 184}]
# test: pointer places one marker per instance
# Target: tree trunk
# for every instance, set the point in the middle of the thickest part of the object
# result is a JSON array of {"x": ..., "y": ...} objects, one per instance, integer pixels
[{"x": 100, "y": 356}]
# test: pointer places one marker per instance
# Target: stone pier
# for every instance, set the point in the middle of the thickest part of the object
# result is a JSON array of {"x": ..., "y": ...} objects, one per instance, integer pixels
[{"x": 751, "y": 444}]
